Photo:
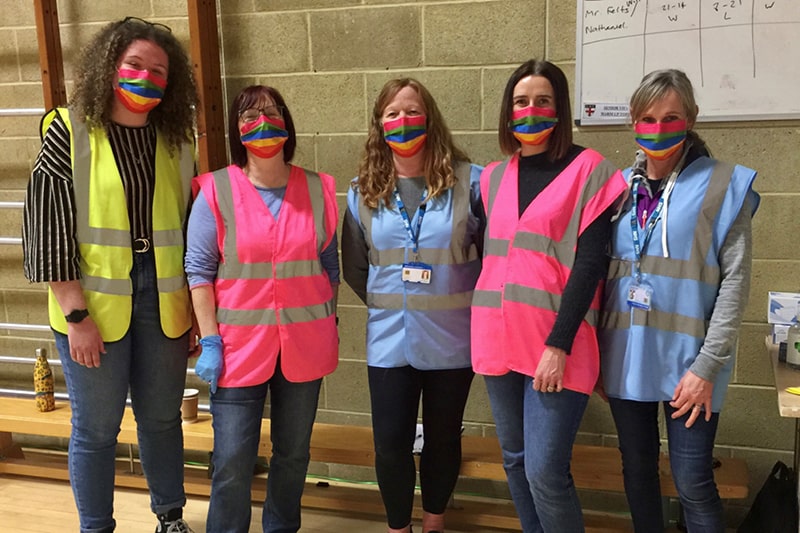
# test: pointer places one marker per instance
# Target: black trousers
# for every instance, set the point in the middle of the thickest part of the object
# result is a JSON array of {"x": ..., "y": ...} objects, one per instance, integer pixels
[{"x": 395, "y": 396}]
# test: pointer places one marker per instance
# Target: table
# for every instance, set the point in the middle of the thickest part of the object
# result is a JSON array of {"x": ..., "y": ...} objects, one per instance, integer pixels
[{"x": 788, "y": 404}]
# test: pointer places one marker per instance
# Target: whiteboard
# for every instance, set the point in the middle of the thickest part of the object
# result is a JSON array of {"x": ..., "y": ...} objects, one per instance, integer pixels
[{"x": 742, "y": 56}]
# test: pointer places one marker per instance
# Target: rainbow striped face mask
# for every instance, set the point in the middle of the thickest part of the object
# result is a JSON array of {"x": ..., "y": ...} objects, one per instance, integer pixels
[
  {"x": 264, "y": 137},
  {"x": 139, "y": 90},
  {"x": 533, "y": 125},
  {"x": 405, "y": 135},
  {"x": 660, "y": 140}
]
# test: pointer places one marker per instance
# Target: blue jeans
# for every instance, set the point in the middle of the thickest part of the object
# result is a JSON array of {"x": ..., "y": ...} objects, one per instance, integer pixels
[
  {"x": 690, "y": 456},
  {"x": 237, "y": 414},
  {"x": 153, "y": 367},
  {"x": 536, "y": 432}
]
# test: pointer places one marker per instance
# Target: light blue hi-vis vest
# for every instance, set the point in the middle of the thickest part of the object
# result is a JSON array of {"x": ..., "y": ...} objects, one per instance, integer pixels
[
  {"x": 644, "y": 354},
  {"x": 426, "y": 326}
]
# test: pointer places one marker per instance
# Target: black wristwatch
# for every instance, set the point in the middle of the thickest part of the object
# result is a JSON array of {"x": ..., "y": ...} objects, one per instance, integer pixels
[{"x": 77, "y": 315}]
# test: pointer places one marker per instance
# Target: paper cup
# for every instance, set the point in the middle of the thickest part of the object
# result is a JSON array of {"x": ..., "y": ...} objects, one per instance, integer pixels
[{"x": 189, "y": 406}]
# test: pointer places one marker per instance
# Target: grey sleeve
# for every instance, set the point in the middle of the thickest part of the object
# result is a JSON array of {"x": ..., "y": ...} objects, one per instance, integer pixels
[
  {"x": 355, "y": 256},
  {"x": 735, "y": 259}
]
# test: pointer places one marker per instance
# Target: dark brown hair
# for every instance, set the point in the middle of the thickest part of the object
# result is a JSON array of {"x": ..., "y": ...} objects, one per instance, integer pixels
[
  {"x": 96, "y": 73},
  {"x": 251, "y": 96},
  {"x": 376, "y": 173},
  {"x": 561, "y": 138}
]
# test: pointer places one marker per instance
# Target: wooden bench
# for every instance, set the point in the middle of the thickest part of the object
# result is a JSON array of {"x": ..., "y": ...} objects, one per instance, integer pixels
[{"x": 593, "y": 467}]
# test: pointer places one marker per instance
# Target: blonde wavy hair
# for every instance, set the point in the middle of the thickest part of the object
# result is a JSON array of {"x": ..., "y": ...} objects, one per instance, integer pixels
[{"x": 377, "y": 174}]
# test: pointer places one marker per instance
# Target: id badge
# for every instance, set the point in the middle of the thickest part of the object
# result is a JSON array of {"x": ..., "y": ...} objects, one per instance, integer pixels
[
  {"x": 640, "y": 296},
  {"x": 417, "y": 272}
]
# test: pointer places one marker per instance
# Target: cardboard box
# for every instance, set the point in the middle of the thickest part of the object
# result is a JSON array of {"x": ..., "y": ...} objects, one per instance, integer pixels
[{"x": 782, "y": 307}]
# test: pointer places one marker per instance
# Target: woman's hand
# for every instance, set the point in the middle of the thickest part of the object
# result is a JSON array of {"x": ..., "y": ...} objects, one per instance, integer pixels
[
  {"x": 693, "y": 393},
  {"x": 600, "y": 389},
  {"x": 209, "y": 364},
  {"x": 550, "y": 372},
  {"x": 85, "y": 343}
]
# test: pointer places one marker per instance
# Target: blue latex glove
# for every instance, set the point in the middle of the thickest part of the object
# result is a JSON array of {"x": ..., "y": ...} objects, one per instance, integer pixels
[{"x": 209, "y": 364}]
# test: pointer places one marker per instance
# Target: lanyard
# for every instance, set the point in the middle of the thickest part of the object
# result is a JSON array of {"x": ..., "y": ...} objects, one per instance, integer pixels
[
  {"x": 412, "y": 234},
  {"x": 638, "y": 243}
]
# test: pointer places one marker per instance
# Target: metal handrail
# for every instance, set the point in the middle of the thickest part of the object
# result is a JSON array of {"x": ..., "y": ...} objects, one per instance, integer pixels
[
  {"x": 22, "y": 112},
  {"x": 26, "y": 360},
  {"x": 12, "y": 205},
  {"x": 24, "y": 327},
  {"x": 56, "y": 362}
]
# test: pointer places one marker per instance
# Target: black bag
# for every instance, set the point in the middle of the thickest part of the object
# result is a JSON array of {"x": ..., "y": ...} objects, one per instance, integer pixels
[{"x": 775, "y": 508}]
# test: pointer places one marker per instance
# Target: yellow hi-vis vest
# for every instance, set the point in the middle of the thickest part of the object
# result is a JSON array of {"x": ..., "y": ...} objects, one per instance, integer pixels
[{"x": 104, "y": 235}]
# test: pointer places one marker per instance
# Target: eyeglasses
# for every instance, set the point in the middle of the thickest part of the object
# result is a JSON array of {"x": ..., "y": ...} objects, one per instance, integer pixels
[
  {"x": 270, "y": 111},
  {"x": 156, "y": 25}
]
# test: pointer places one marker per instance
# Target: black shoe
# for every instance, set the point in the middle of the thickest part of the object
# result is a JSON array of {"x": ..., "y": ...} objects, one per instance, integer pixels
[
  {"x": 172, "y": 522},
  {"x": 174, "y": 526}
]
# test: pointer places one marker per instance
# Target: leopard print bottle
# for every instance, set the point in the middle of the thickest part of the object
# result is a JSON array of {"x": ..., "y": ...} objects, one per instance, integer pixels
[{"x": 43, "y": 382}]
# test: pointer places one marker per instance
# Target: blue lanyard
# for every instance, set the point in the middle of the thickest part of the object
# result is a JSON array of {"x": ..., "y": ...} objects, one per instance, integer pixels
[
  {"x": 638, "y": 244},
  {"x": 412, "y": 234}
]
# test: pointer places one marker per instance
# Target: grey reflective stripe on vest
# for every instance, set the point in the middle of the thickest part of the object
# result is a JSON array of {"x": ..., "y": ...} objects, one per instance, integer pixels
[
  {"x": 660, "y": 320},
  {"x": 492, "y": 246},
  {"x": 695, "y": 268},
  {"x": 121, "y": 287},
  {"x": 667, "y": 267},
  {"x": 231, "y": 267},
  {"x": 461, "y": 203},
  {"x": 420, "y": 302},
  {"x": 495, "y": 179},
  {"x": 496, "y": 247},
  {"x": 168, "y": 237},
  {"x": 288, "y": 269},
  {"x": 432, "y": 256},
  {"x": 267, "y": 317},
  {"x": 317, "y": 206},
  {"x": 484, "y": 298},
  {"x": 541, "y": 299},
  {"x": 247, "y": 317}
]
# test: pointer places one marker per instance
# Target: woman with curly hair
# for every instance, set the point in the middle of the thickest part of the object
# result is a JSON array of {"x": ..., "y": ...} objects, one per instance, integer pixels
[
  {"x": 103, "y": 222},
  {"x": 411, "y": 248}
]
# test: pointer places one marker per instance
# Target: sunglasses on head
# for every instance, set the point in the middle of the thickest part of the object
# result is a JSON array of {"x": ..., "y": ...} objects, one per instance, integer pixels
[{"x": 157, "y": 25}]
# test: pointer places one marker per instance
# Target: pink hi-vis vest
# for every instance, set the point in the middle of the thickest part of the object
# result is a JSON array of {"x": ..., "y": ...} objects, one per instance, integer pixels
[
  {"x": 527, "y": 262},
  {"x": 273, "y": 296}
]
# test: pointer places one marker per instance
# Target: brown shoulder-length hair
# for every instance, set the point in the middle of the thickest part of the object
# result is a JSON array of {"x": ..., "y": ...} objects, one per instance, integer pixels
[
  {"x": 96, "y": 74},
  {"x": 377, "y": 174},
  {"x": 253, "y": 96},
  {"x": 561, "y": 138}
]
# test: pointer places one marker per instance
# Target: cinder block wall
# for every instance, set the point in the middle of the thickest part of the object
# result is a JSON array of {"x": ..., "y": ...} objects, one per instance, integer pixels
[{"x": 329, "y": 58}]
